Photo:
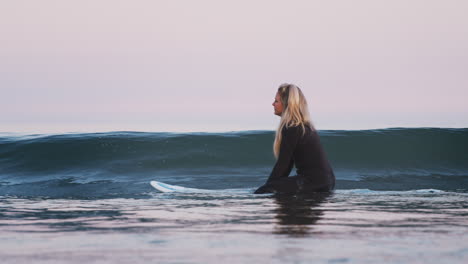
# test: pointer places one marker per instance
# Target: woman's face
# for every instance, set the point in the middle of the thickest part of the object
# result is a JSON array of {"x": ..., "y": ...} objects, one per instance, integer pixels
[{"x": 278, "y": 105}]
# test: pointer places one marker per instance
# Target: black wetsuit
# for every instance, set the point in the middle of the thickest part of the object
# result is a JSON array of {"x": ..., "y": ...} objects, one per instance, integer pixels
[{"x": 314, "y": 173}]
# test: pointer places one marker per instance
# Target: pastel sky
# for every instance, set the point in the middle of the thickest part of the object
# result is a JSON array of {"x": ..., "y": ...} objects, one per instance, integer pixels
[{"x": 214, "y": 65}]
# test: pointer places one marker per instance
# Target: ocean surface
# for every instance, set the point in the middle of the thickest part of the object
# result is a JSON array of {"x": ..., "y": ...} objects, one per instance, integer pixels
[{"x": 401, "y": 197}]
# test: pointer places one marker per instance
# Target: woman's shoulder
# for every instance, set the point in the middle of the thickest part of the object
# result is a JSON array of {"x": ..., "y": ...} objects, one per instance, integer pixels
[{"x": 293, "y": 129}]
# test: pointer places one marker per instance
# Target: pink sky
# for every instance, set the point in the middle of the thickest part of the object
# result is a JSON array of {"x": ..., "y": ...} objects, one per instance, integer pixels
[{"x": 215, "y": 65}]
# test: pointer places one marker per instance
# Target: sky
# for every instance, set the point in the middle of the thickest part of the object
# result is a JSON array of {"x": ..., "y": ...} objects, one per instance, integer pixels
[{"x": 214, "y": 65}]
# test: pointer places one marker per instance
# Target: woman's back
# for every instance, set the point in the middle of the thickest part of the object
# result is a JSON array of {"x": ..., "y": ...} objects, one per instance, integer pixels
[{"x": 310, "y": 159}]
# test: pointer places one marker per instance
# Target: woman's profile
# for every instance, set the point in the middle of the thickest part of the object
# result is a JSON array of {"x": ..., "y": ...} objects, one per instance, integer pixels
[{"x": 297, "y": 144}]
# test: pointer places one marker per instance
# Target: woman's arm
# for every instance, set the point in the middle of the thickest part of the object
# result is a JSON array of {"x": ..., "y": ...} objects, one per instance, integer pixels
[{"x": 285, "y": 161}]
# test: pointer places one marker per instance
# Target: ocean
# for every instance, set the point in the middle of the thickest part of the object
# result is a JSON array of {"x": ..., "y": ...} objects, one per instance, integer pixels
[{"x": 401, "y": 197}]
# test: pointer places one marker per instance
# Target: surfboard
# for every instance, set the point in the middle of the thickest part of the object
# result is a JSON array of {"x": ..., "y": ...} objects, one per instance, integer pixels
[{"x": 167, "y": 188}]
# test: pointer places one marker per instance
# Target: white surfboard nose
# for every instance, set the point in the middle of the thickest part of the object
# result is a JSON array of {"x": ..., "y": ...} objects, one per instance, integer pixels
[{"x": 166, "y": 188}]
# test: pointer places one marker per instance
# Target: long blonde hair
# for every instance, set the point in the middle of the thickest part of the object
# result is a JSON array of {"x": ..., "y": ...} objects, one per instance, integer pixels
[{"x": 295, "y": 112}]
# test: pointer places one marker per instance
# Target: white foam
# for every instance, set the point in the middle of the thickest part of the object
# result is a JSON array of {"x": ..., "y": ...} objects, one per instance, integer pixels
[{"x": 367, "y": 191}]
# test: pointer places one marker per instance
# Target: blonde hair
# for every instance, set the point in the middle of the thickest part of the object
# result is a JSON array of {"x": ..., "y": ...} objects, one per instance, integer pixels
[{"x": 295, "y": 112}]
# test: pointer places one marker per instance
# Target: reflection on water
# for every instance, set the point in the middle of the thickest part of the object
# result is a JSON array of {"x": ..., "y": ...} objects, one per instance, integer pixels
[
  {"x": 366, "y": 227},
  {"x": 296, "y": 215}
]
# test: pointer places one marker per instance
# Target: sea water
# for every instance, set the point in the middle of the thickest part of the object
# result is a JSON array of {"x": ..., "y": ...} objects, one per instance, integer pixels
[{"x": 401, "y": 197}]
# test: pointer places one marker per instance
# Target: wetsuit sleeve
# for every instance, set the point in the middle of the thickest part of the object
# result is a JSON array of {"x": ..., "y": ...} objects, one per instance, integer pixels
[{"x": 285, "y": 161}]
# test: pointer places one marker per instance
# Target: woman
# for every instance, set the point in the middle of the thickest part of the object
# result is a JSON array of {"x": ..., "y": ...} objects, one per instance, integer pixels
[{"x": 297, "y": 143}]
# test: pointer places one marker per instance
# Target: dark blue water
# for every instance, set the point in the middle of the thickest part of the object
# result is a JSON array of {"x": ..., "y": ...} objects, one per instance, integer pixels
[
  {"x": 120, "y": 164},
  {"x": 402, "y": 197}
]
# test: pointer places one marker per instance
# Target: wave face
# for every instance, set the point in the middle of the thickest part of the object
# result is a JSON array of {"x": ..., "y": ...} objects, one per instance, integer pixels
[{"x": 120, "y": 164}]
